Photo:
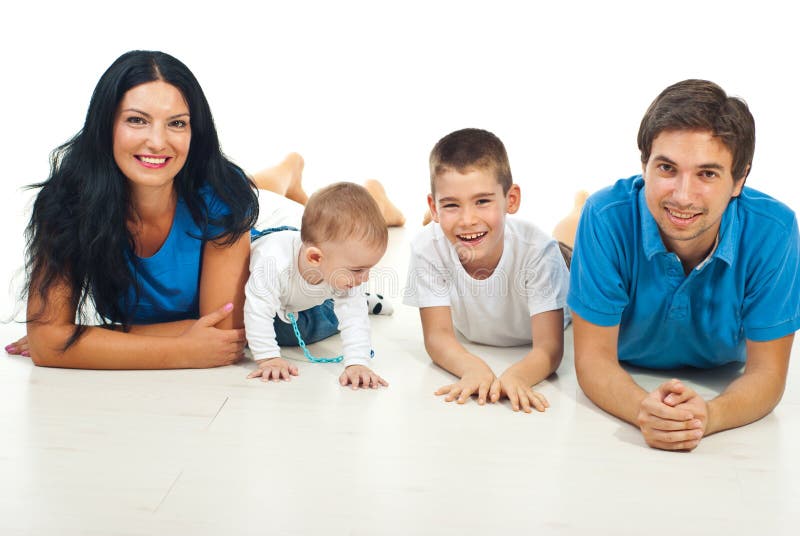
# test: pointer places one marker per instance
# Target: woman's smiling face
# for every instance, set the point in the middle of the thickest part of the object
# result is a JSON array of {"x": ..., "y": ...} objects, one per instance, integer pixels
[{"x": 152, "y": 134}]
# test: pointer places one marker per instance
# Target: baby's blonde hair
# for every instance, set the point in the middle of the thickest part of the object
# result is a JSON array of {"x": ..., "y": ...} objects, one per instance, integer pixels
[{"x": 342, "y": 211}]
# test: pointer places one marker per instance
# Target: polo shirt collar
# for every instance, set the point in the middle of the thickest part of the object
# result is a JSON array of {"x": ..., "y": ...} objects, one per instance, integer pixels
[
  {"x": 729, "y": 231},
  {"x": 651, "y": 237},
  {"x": 726, "y": 240}
]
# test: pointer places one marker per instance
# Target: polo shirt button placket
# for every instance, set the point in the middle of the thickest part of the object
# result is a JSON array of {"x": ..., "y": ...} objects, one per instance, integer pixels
[
  {"x": 674, "y": 270},
  {"x": 680, "y": 306}
]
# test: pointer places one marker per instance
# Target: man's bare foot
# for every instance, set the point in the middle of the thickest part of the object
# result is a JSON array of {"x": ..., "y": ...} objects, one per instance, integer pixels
[
  {"x": 392, "y": 214},
  {"x": 285, "y": 179},
  {"x": 564, "y": 231}
]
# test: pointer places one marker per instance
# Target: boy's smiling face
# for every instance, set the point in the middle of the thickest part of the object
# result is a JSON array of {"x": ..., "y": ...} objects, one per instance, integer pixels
[{"x": 471, "y": 209}]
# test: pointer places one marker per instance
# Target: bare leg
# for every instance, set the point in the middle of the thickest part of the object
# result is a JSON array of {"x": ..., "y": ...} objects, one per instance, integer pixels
[
  {"x": 427, "y": 218},
  {"x": 392, "y": 214},
  {"x": 284, "y": 179},
  {"x": 564, "y": 230}
]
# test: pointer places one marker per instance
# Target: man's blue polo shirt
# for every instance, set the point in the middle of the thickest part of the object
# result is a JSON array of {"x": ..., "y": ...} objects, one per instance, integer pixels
[{"x": 748, "y": 288}]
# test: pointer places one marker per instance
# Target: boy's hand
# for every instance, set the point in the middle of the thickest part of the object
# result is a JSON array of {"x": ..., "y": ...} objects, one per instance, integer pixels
[
  {"x": 474, "y": 380},
  {"x": 274, "y": 369},
  {"x": 361, "y": 376},
  {"x": 519, "y": 393}
]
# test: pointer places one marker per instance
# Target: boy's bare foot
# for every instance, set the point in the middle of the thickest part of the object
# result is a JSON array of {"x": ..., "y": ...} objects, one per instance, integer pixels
[
  {"x": 427, "y": 218},
  {"x": 392, "y": 214},
  {"x": 285, "y": 179},
  {"x": 564, "y": 231}
]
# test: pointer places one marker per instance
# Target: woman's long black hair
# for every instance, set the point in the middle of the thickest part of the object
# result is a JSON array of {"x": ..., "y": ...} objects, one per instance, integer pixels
[{"x": 78, "y": 235}]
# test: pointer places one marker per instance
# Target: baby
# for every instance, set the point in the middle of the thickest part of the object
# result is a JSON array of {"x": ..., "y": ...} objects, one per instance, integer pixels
[{"x": 312, "y": 280}]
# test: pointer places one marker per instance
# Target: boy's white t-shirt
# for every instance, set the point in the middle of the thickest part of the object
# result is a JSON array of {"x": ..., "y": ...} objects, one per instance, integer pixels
[
  {"x": 275, "y": 287},
  {"x": 531, "y": 278}
]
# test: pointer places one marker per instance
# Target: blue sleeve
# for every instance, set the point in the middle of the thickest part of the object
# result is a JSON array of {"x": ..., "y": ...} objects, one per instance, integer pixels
[
  {"x": 771, "y": 307},
  {"x": 597, "y": 290},
  {"x": 216, "y": 209}
]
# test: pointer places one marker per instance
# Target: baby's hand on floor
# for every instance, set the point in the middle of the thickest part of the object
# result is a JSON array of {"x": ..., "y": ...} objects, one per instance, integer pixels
[
  {"x": 361, "y": 376},
  {"x": 274, "y": 369}
]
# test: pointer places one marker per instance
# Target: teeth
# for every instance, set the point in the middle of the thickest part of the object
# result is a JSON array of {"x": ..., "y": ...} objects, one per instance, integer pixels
[
  {"x": 472, "y": 236},
  {"x": 149, "y": 160},
  {"x": 681, "y": 215}
]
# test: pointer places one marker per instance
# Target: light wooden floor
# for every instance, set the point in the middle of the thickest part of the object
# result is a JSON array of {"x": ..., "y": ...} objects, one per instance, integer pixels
[{"x": 207, "y": 452}]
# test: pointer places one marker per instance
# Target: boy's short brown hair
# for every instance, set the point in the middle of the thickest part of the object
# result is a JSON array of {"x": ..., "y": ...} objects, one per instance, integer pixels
[
  {"x": 471, "y": 148},
  {"x": 342, "y": 211},
  {"x": 702, "y": 105}
]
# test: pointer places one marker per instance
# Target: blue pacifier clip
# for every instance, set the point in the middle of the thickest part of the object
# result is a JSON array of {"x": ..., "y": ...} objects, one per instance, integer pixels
[{"x": 306, "y": 353}]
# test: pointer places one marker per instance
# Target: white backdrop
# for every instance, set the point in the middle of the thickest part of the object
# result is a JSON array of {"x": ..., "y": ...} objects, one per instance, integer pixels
[{"x": 364, "y": 89}]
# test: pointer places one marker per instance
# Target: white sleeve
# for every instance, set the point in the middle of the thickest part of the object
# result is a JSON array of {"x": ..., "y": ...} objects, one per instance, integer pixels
[
  {"x": 545, "y": 280},
  {"x": 351, "y": 311},
  {"x": 261, "y": 304},
  {"x": 427, "y": 283}
]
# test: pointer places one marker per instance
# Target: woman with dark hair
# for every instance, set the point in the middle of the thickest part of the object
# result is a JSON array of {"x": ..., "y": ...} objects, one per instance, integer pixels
[{"x": 144, "y": 220}]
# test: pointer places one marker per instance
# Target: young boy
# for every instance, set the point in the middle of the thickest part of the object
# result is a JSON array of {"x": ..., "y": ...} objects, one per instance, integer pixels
[
  {"x": 296, "y": 273},
  {"x": 499, "y": 282}
]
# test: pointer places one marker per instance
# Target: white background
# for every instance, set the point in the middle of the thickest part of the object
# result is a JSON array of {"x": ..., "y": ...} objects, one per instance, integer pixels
[{"x": 364, "y": 89}]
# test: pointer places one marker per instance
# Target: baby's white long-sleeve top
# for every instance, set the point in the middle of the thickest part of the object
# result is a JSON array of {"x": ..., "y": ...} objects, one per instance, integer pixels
[{"x": 275, "y": 287}]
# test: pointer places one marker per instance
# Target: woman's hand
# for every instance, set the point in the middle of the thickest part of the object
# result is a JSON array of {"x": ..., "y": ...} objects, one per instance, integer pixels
[{"x": 209, "y": 346}]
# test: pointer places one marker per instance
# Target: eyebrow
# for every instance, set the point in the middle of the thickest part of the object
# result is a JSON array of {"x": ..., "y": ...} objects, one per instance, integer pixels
[
  {"x": 150, "y": 116},
  {"x": 476, "y": 196},
  {"x": 711, "y": 165}
]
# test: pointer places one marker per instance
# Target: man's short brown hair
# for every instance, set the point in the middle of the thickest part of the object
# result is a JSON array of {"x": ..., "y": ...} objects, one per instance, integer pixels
[
  {"x": 702, "y": 105},
  {"x": 471, "y": 148},
  {"x": 343, "y": 211}
]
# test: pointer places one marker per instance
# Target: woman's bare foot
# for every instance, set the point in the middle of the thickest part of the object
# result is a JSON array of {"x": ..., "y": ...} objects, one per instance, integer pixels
[
  {"x": 564, "y": 231},
  {"x": 285, "y": 179},
  {"x": 19, "y": 347},
  {"x": 392, "y": 214}
]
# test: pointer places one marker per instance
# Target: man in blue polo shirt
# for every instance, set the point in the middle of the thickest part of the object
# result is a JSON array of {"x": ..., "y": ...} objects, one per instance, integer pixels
[{"x": 685, "y": 266}]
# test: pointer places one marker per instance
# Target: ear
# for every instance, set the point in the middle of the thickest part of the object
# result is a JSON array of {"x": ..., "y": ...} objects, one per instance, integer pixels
[
  {"x": 432, "y": 208},
  {"x": 513, "y": 199},
  {"x": 313, "y": 255},
  {"x": 739, "y": 184}
]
